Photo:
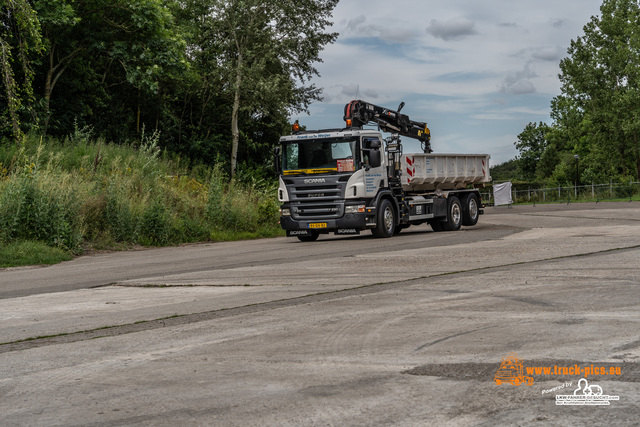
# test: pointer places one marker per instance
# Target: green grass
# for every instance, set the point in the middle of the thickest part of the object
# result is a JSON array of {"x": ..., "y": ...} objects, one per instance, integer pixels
[
  {"x": 21, "y": 253},
  {"x": 76, "y": 193}
]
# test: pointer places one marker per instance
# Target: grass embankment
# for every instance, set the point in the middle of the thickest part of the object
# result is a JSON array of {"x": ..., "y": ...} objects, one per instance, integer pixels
[{"x": 62, "y": 197}]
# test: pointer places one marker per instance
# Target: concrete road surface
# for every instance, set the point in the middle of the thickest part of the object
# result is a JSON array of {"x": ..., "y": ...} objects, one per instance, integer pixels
[{"x": 413, "y": 330}]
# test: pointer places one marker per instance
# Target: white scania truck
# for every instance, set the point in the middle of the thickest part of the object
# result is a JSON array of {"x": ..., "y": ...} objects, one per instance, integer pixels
[{"x": 344, "y": 181}]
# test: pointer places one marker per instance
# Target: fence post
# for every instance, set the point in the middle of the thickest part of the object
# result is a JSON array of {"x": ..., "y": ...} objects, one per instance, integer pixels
[{"x": 611, "y": 188}]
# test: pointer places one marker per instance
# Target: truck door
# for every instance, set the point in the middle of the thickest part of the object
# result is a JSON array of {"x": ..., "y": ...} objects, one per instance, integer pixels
[{"x": 372, "y": 149}]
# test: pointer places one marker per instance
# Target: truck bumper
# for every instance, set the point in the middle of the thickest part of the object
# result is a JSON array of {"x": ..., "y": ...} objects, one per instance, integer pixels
[{"x": 347, "y": 224}]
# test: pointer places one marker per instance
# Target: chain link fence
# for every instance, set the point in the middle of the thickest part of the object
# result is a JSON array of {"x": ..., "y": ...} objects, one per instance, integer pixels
[{"x": 593, "y": 192}]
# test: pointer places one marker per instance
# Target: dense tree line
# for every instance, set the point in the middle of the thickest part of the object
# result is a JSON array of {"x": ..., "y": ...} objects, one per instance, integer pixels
[
  {"x": 217, "y": 78},
  {"x": 597, "y": 115}
]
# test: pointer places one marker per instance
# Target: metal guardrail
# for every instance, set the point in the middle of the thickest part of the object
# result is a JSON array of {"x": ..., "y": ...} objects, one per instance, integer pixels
[{"x": 593, "y": 192}]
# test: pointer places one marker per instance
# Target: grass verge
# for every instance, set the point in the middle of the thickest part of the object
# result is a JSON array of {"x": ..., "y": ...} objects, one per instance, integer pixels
[
  {"x": 30, "y": 252},
  {"x": 80, "y": 193}
]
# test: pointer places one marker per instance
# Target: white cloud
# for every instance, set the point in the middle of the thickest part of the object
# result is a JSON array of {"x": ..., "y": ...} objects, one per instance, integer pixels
[
  {"x": 397, "y": 34},
  {"x": 452, "y": 30},
  {"x": 478, "y": 72},
  {"x": 552, "y": 54}
]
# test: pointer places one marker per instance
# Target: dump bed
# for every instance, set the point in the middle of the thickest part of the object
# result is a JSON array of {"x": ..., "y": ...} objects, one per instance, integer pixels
[{"x": 428, "y": 172}]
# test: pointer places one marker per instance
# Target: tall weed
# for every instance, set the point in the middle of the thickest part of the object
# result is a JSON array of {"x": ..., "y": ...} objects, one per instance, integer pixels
[
  {"x": 78, "y": 189},
  {"x": 34, "y": 207},
  {"x": 120, "y": 222},
  {"x": 155, "y": 225}
]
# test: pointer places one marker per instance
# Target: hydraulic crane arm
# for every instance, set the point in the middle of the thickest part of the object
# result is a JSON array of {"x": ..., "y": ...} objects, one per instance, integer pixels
[{"x": 358, "y": 113}]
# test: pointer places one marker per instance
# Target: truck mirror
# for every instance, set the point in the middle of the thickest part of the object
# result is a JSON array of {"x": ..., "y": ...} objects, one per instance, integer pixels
[
  {"x": 375, "y": 160},
  {"x": 276, "y": 159},
  {"x": 375, "y": 145}
]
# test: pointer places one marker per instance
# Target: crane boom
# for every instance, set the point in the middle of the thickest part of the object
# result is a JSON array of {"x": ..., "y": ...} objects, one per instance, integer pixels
[{"x": 358, "y": 113}]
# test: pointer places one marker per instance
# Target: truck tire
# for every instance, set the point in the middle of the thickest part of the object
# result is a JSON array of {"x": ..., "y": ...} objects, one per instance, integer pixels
[
  {"x": 386, "y": 221},
  {"x": 454, "y": 215},
  {"x": 470, "y": 210},
  {"x": 312, "y": 238},
  {"x": 401, "y": 227},
  {"x": 436, "y": 226}
]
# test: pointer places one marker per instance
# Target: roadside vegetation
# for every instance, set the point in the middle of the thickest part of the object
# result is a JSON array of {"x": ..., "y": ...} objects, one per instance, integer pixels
[
  {"x": 59, "y": 198},
  {"x": 594, "y": 134},
  {"x": 215, "y": 82}
]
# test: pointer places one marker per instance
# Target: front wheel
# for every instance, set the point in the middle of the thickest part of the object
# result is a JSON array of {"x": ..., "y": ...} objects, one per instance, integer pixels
[
  {"x": 436, "y": 226},
  {"x": 310, "y": 238},
  {"x": 386, "y": 221}
]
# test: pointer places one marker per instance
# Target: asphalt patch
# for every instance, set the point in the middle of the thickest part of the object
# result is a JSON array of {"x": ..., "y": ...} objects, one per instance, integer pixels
[{"x": 485, "y": 371}]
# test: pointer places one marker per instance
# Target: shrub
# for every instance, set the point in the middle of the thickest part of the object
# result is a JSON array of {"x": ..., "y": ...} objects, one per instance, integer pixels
[
  {"x": 155, "y": 224},
  {"x": 63, "y": 192},
  {"x": 35, "y": 207}
]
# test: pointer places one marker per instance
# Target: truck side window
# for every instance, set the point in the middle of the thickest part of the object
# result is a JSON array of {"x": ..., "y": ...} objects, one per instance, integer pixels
[{"x": 367, "y": 147}]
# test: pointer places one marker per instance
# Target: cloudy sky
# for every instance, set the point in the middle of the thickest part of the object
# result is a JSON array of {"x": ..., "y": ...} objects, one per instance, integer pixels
[{"x": 476, "y": 71}]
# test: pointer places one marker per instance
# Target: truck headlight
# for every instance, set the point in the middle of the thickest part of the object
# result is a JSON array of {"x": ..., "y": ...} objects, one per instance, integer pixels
[
  {"x": 354, "y": 209},
  {"x": 285, "y": 212}
]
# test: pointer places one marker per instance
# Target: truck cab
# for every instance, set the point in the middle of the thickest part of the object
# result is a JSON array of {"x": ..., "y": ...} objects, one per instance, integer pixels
[{"x": 328, "y": 179}]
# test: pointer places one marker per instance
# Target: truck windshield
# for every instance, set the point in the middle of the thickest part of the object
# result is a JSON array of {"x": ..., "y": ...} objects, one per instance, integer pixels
[{"x": 319, "y": 156}]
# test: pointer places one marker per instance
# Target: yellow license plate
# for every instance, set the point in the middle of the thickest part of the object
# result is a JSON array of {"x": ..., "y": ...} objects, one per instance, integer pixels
[{"x": 318, "y": 225}]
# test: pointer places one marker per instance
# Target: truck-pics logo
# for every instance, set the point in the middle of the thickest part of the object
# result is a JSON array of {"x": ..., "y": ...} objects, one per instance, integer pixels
[{"x": 511, "y": 371}]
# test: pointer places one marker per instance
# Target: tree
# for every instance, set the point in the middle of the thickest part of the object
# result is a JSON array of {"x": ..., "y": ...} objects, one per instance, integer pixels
[
  {"x": 531, "y": 143},
  {"x": 599, "y": 109},
  {"x": 19, "y": 33},
  {"x": 118, "y": 51},
  {"x": 265, "y": 51}
]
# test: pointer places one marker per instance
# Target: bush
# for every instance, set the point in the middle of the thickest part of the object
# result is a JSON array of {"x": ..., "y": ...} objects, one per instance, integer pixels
[
  {"x": 155, "y": 224},
  {"x": 120, "y": 222},
  {"x": 64, "y": 193},
  {"x": 34, "y": 207}
]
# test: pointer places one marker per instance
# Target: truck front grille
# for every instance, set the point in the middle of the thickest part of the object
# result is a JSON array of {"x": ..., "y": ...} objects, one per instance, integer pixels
[
  {"x": 316, "y": 201},
  {"x": 316, "y": 211}
]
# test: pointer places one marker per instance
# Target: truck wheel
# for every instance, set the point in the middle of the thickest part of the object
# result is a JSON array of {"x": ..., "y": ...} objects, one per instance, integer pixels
[
  {"x": 386, "y": 223},
  {"x": 454, "y": 215},
  {"x": 470, "y": 210},
  {"x": 312, "y": 238},
  {"x": 436, "y": 226}
]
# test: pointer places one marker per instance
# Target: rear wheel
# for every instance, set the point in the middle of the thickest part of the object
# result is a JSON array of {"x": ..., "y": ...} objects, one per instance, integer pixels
[
  {"x": 470, "y": 210},
  {"x": 310, "y": 238},
  {"x": 386, "y": 221},
  {"x": 454, "y": 215}
]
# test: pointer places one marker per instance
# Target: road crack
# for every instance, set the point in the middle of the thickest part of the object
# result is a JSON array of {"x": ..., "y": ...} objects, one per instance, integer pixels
[{"x": 184, "y": 319}]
